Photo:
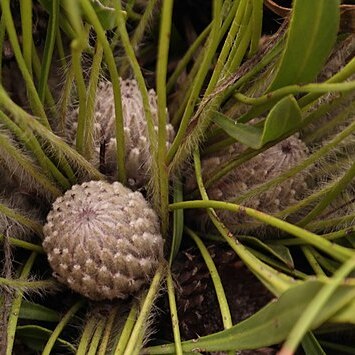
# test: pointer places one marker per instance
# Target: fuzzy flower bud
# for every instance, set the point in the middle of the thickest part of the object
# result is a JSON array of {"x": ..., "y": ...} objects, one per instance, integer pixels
[
  {"x": 138, "y": 158},
  {"x": 103, "y": 240},
  {"x": 262, "y": 168}
]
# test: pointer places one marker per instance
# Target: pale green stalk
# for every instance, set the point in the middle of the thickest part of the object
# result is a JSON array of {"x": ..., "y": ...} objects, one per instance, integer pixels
[
  {"x": 87, "y": 335},
  {"x": 95, "y": 340},
  {"x": 144, "y": 312},
  {"x": 257, "y": 20},
  {"x": 305, "y": 321},
  {"x": 110, "y": 60},
  {"x": 22, "y": 244},
  {"x": 36, "y": 63},
  {"x": 60, "y": 326},
  {"x": 312, "y": 260},
  {"x": 336, "y": 251},
  {"x": 213, "y": 42},
  {"x": 174, "y": 314},
  {"x": 26, "y": 29},
  {"x": 53, "y": 26},
  {"x": 127, "y": 330},
  {"x": 107, "y": 332},
  {"x": 33, "y": 95},
  {"x": 295, "y": 89},
  {"x": 213, "y": 272},
  {"x": 16, "y": 305},
  {"x": 77, "y": 49},
  {"x": 23, "y": 220},
  {"x": 162, "y": 63},
  {"x": 228, "y": 44},
  {"x": 90, "y": 102}
]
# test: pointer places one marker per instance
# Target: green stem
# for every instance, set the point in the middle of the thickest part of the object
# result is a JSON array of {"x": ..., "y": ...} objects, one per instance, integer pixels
[
  {"x": 26, "y": 25},
  {"x": 16, "y": 305},
  {"x": 212, "y": 45},
  {"x": 213, "y": 272},
  {"x": 312, "y": 260},
  {"x": 338, "y": 252},
  {"x": 162, "y": 63},
  {"x": 87, "y": 335},
  {"x": 107, "y": 332},
  {"x": 53, "y": 27},
  {"x": 127, "y": 330},
  {"x": 11, "y": 31},
  {"x": 77, "y": 49},
  {"x": 95, "y": 340},
  {"x": 174, "y": 314},
  {"x": 144, "y": 312},
  {"x": 21, "y": 219},
  {"x": 60, "y": 326},
  {"x": 110, "y": 60},
  {"x": 28, "y": 285},
  {"x": 22, "y": 244},
  {"x": 295, "y": 89},
  {"x": 90, "y": 103}
]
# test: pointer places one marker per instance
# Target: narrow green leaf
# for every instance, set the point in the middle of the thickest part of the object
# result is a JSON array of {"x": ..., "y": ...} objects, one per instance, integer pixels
[
  {"x": 38, "y": 312},
  {"x": 248, "y": 135},
  {"x": 311, "y": 346},
  {"x": 282, "y": 118},
  {"x": 279, "y": 251},
  {"x": 35, "y": 337},
  {"x": 313, "y": 29},
  {"x": 272, "y": 324}
]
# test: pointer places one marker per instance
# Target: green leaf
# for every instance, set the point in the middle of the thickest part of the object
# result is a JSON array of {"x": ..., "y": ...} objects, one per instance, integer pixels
[
  {"x": 35, "y": 337},
  {"x": 107, "y": 15},
  {"x": 279, "y": 251},
  {"x": 311, "y": 346},
  {"x": 38, "y": 312},
  {"x": 313, "y": 29},
  {"x": 272, "y": 324},
  {"x": 282, "y": 118}
]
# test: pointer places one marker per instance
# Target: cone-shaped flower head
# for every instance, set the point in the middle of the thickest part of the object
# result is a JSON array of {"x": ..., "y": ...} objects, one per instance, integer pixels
[{"x": 103, "y": 240}]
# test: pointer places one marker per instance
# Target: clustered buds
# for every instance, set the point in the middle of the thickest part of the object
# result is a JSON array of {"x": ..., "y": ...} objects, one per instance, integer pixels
[
  {"x": 138, "y": 158},
  {"x": 103, "y": 240}
]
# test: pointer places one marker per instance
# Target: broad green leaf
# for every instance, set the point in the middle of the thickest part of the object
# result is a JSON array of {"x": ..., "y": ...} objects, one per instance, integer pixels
[
  {"x": 35, "y": 337},
  {"x": 38, "y": 312},
  {"x": 282, "y": 118},
  {"x": 312, "y": 33},
  {"x": 272, "y": 324},
  {"x": 279, "y": 251}
]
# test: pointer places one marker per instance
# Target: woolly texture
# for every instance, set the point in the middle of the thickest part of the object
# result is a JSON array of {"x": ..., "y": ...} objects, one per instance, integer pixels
[
  {"x": 103, "y": 240},
  {"x": 262, "y": 168},
  {"x": 138, "y": 159}
]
